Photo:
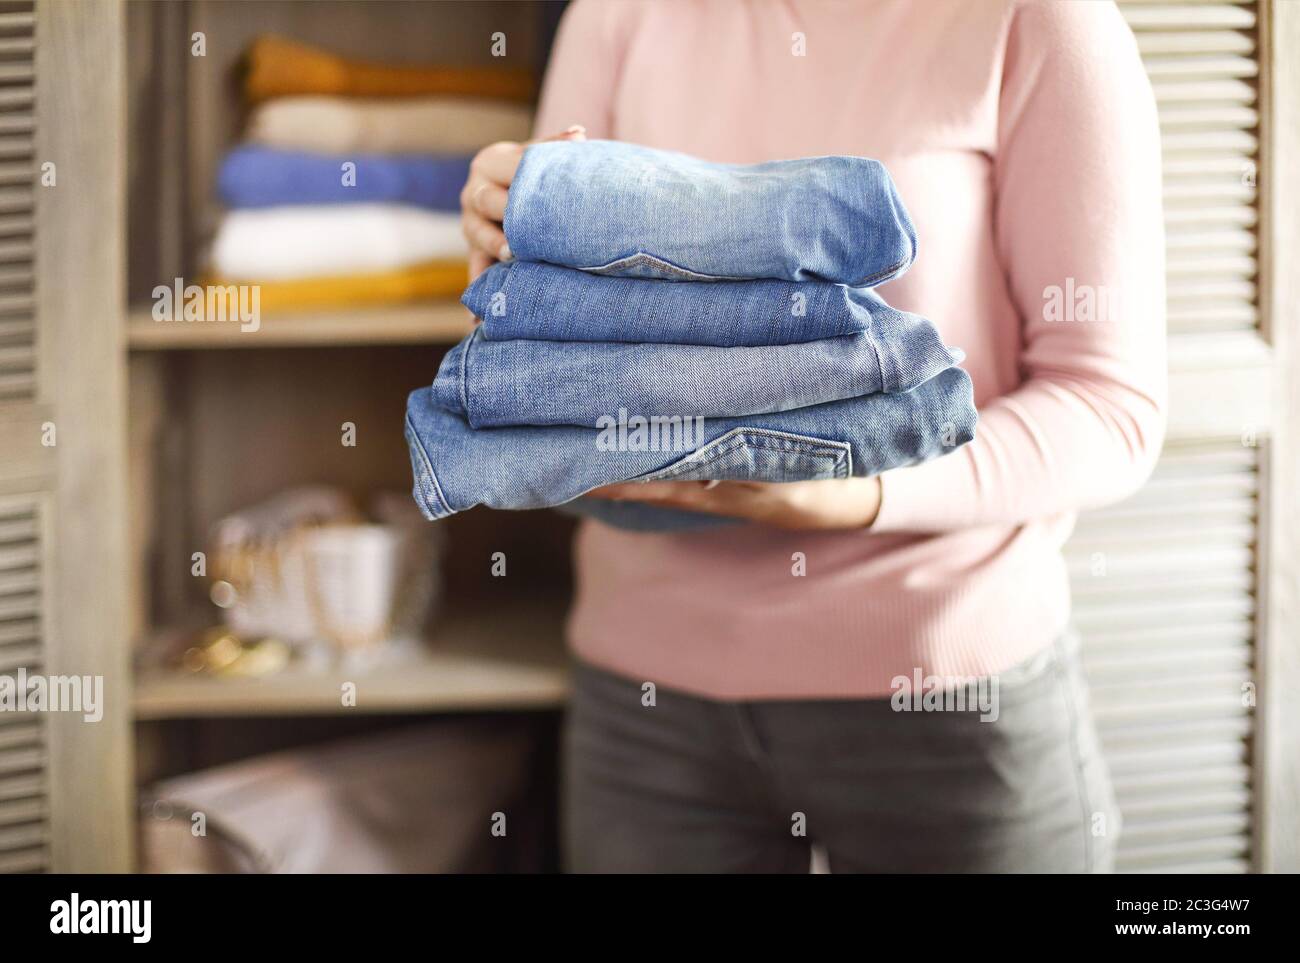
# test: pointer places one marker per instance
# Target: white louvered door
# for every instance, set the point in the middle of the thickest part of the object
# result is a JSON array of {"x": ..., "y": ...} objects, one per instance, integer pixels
[
  {"x": 1167, "y": 585},
  {"x": 64, "y": 781}
]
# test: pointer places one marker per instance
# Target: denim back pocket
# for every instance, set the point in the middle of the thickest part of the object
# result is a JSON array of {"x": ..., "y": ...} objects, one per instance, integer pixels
[{"x": 760, "y": 454}]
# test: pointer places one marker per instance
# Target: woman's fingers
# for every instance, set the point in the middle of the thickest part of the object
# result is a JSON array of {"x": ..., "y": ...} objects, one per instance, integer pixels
[
  {"x": 484, "y": 197},
  {"x": 576, "y": 132},
  {"x": 484, "y": 235},
  {"x": 478, "y": 263},
  {"x": 496, "y": 163},
  {"x": 489, "y": 200}
]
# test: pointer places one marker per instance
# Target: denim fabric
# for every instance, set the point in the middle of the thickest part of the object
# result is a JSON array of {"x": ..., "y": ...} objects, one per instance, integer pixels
[
  {"x": 543, "y": 302},
  {"x": 265, "y": 177},
  {"x": 633, "y": 211},
  {"x": 457, "y": 467},
  {"x": 496, "y": 383}
]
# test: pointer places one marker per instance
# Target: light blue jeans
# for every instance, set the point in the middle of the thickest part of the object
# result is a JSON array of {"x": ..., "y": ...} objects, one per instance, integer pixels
[
  {"x": 544, "y": 302},
  {"x": 457, "y": 466},
  {"x": 615, "y": 208},
  {"x": 499, "y": 383}
]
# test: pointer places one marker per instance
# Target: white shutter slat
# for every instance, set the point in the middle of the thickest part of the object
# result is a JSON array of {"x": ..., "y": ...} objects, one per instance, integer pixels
[
  {"x": 15, "y": 657},
  {"x": 1117, "y": 667},
  {"x": 1184, "y": 16},
  {"x": 1197, "y": 87},
  {"x": 1227, "y": 239},
  {"x": 1220, "y": 867},
  {"x": 1160, "y": 785},
  {"x": 19, "y": 630},
  {"x": 18, "y": 811},
  {"x": 1180, "y": 143},
  {"x": 1162, "y": 69},
  {"x": 21, "y": 787},
  {"x": 1158, "y": 43},
  {"x": 1173, "y": 733},
  {"x": 1156, "y": 857}
]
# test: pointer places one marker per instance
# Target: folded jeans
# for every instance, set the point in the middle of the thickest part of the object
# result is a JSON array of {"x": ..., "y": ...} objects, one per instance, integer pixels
[
  {"x": 633, "y": 211},
  {"x": 457, "y": 467},
  {"x": 545, "y": 302},
  {"x": 520, "y": 382}
]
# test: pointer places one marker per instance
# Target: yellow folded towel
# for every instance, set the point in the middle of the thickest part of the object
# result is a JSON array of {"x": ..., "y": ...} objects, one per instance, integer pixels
[
  {"x": 278, "y": 68},
  {"x": 430, "y": 279}
]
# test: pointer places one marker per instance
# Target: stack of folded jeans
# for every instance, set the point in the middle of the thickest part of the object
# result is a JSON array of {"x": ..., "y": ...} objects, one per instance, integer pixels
[{"x": 670, "y": 318}]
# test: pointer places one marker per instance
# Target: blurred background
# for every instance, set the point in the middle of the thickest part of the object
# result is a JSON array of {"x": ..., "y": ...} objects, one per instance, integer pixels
[{"x": 223, "y": 529}]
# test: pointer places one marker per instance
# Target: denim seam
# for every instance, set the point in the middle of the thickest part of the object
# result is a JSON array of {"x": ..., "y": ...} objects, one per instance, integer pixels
[
  {"x": 879, "y": 276},
  {"x": 886, "y": 384},
  {"x": 505, "y": 287},
  {"x": 642, "y": 257},
  {"x": 427, "y": 480},
  {"x": 464, "y": 374}
]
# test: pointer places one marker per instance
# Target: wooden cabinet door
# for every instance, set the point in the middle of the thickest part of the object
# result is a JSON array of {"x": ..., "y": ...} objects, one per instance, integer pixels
[{"x": 65, "y": 782}]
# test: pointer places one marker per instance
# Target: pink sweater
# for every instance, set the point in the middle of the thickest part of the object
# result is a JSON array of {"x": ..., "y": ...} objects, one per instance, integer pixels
[{"x": 1023, "y": 138}]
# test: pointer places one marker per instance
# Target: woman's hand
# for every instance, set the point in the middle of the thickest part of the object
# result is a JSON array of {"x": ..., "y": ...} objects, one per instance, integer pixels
[
  {"x": 834, "y": 504},
  {"x": 483, "y": 199}
]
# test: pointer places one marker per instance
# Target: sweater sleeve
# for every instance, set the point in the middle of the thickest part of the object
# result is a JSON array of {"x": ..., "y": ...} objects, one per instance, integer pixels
[
  {"x": 583, "y": 72},
  {"x": 1079, "y": 234}
]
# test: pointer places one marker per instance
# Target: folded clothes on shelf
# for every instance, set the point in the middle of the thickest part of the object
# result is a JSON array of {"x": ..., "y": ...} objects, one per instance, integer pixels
[
  {"x": 429, "y": 125},
  {"x": 295, "y": 242},
  {"x": 630, "y": 211},
  {"x": 277, "y": 67},
  {"x": 431, "y": 279},
  {"x": 252, "y": 176}
]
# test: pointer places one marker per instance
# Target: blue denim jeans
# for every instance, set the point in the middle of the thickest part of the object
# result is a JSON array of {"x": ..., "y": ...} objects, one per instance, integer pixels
[
  {"x": 543, "y": 302},
  {"x": 457, "y": 467},
  {"x": 631, "y": 211},
  {"x": 500, "y": 383}
]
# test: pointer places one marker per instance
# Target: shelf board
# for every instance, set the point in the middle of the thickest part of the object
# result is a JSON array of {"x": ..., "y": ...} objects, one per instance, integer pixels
[
  {"x": 477, "y": 662},
  {"x": 426, "y": 322}
]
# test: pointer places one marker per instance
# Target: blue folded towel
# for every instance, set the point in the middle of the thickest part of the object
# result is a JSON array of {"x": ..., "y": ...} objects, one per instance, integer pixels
[{"x": 265, "y": 177}]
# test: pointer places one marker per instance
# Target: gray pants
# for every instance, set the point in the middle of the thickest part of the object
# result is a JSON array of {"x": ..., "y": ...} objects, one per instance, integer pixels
[{"x": 697, "y": 785}]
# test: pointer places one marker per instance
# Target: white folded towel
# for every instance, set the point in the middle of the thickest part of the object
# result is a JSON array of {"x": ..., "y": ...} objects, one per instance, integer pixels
[
  {"x": 284, "y": 243},
  {"x": 429, "y": 125}
]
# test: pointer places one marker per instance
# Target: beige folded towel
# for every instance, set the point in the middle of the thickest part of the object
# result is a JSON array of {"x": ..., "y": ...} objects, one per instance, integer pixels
[{"x": 430, "y": 125}]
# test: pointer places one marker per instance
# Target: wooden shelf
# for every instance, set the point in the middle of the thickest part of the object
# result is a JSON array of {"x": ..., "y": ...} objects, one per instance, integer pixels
[
  {"x": 472, "y": 663},
  {"x": 428, "y": 322}
]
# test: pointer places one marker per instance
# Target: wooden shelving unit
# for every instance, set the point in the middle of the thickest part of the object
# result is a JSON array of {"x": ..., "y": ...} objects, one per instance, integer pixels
[
  {"x": 429, "y": 322},
  {"x": 213, "y": 427},
  {"x": 471, "y": 663}
]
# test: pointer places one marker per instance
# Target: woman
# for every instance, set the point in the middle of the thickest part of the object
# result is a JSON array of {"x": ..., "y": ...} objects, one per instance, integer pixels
[{"x": 732, "y": 698}]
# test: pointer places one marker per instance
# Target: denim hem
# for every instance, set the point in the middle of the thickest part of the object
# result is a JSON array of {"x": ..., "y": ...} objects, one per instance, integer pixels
[
  {"x": 880, "y": 277},
  {"x": 428, "y": 493}
]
